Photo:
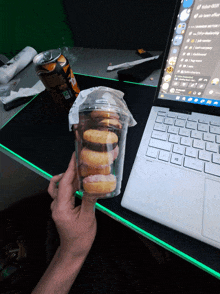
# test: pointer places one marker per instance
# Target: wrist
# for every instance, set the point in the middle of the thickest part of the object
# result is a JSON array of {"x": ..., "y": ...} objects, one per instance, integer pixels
[
  {"x": 61, "y": 274},
  {"x": 70, "y": 255}
]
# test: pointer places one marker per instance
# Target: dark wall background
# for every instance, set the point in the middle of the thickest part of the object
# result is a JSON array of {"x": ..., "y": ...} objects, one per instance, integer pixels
[
  {"x": 104, "y": 24},
  {"x": 119, "y": 24},
  {"x": 40, "y": 24}
]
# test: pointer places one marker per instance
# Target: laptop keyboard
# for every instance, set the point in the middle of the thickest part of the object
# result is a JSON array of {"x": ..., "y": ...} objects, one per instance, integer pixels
[{"x": 186, "y": 142}]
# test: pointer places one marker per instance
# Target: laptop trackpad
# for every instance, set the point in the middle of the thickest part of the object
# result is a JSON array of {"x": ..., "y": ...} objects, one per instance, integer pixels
[
  {"x": 211, "y": 218},
  {"x": 166, "y": 194}
]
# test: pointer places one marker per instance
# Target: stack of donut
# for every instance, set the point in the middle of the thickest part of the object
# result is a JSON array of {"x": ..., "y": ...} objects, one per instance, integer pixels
[{"x": 99, "y": 151}]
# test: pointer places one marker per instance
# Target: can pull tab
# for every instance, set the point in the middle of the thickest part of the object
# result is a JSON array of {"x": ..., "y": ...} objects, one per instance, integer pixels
[{"x": 47, "y": 56}]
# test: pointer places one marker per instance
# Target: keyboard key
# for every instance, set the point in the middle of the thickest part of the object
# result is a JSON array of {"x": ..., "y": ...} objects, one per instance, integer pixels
[
  {"x": 213, "y": 123},
  {"x": 209, "y": 137},
  {"x": 164, "y": 155},
  {"x": 161, "y": 113},
  {"x": 159, "y": 119},
  {"x": 176, "y": 159},
  {"x": 160, "y": 144},
  {"x": 205, "y": 155},
  {"x": 191, "y": 125},
  {"x": 168, "y": 121},
  {"x": 182, "y": 116},
  {"x": 186, "y": 141},
  {"x": 179, "y": 123},
  {"x": 198, "y": 144},
  {"x": 193, "y": 164},
  {"x": 203, "y": 127},
  {"x": 212, "y": 169},
  {"x": 212, "y": 147},
  {"x": 191, "y": 152},
  {"x": 174, "y": 139},
  {"x": 217, "y": 139},
  {"x": 171, "y": 115},
  {"x": 216, "y": 158},
  {"x": 178, "y": 149},
  {"x": 202, "y": 121},
  {"x": 215, "y": 130},
  {"x": 173, "y": 130},
  {"x": 159, "y": 135},
  {"x": 192, "y": 119},
  {"x": 160, "y": 127},
  {"x": 184, "y": 132},
  {"x": 196, "y": 135},
  {"x": 151, "y": 152}
]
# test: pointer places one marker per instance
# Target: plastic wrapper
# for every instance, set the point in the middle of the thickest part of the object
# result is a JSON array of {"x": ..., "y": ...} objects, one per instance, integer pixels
[
  {"x": 5, "y": 89},
  {"x": 16, "y": 64}
]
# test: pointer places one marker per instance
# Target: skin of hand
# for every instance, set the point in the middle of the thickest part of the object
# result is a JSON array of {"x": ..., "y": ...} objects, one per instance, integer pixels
[{"x": 76, "y": 226}]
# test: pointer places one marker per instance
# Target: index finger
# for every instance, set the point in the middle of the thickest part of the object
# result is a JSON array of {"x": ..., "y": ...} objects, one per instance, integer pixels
[
  {"x": 69, "y": 183},
  {"x": 52, "y": 188},
  {"x": 69, "y": 175}
]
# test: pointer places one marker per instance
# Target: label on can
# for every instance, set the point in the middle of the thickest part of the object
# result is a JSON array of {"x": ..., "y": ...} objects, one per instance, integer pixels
[
  {"x": 66, "y": 94},
  {"x": 56, "y": 74}
]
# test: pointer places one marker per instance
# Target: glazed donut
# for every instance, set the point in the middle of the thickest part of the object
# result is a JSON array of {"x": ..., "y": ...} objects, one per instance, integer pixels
[
  {"x": 111, "y": 123},
  {"x": 100, "y": 140},
  {"x": 99, "y": 184},
  {"x": 95, "y": 158},
  {"x": 86, "y": 170}
]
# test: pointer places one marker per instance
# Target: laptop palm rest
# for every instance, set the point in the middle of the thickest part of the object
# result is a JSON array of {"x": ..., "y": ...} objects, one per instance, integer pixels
[
  {"x": 211, "y": 220},
  {"x": 166, "y": 194}
]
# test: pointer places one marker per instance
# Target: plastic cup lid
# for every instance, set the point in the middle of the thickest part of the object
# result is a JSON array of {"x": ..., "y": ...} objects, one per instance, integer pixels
[{"x": 100, "y": 98}]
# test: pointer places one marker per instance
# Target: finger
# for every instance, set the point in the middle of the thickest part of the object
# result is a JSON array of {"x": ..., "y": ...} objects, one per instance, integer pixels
[
  {"x": 52, "y": 206},
  {"x": 52, "y": 188},
  {"x": 88, "y": 205},
  {"x": 71, "y": 171},
  {"x": 69, "y": 184}
]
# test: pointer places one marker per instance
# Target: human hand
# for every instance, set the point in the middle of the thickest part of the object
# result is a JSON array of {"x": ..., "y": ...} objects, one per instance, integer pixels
[{"x": 76, "y": 226}]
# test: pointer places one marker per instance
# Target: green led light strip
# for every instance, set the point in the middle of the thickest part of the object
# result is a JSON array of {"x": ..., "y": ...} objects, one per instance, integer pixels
[
  {"x": 155, "y": 239},
  {"x": 81, "y": 75},
  {"x": 113, "y": 79},
  {"x": 109, "y": 212},
  {"x": 128, "y": 224},
  {"x": 48, "y": 176}
]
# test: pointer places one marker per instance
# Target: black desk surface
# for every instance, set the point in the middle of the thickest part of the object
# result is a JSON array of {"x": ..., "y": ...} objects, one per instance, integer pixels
[{"x": 40, "y": 134}]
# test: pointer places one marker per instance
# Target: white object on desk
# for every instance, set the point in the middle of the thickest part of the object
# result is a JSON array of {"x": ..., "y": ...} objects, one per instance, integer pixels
[
  {"x": 16, "y": 64},
  {"x": 24, "y": 92},
  {"x": 130, "y": 64}
]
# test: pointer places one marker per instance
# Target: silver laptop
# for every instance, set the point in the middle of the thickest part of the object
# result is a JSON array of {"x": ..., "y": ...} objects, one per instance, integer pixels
[{"x": 175, "y": 179}]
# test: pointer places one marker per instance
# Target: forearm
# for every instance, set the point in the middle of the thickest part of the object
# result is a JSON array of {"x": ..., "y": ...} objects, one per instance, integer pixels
[{"x": 60, "y": 275}]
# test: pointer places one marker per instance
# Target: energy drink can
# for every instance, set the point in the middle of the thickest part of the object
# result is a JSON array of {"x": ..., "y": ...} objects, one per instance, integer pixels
[{"x": 54, "y": 70}]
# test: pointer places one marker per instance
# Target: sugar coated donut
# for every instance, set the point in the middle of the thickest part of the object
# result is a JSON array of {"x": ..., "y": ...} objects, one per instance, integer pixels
[
  {"x": 100, "y": 140},
  {"x": 104, "y": 114},
  {"x": 99, "y": 184},
  {"x": 86, "y": 170},
  {"x": 95, "y": 158},
  {"x": 115, "y": 152}
]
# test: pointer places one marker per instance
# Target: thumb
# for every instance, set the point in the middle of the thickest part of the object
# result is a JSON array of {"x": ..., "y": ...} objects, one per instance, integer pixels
[{"x": 88, "y": 205}]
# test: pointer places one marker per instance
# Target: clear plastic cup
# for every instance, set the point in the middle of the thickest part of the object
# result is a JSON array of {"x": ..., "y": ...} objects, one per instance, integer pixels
[{"x": 100, "y": 140}]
